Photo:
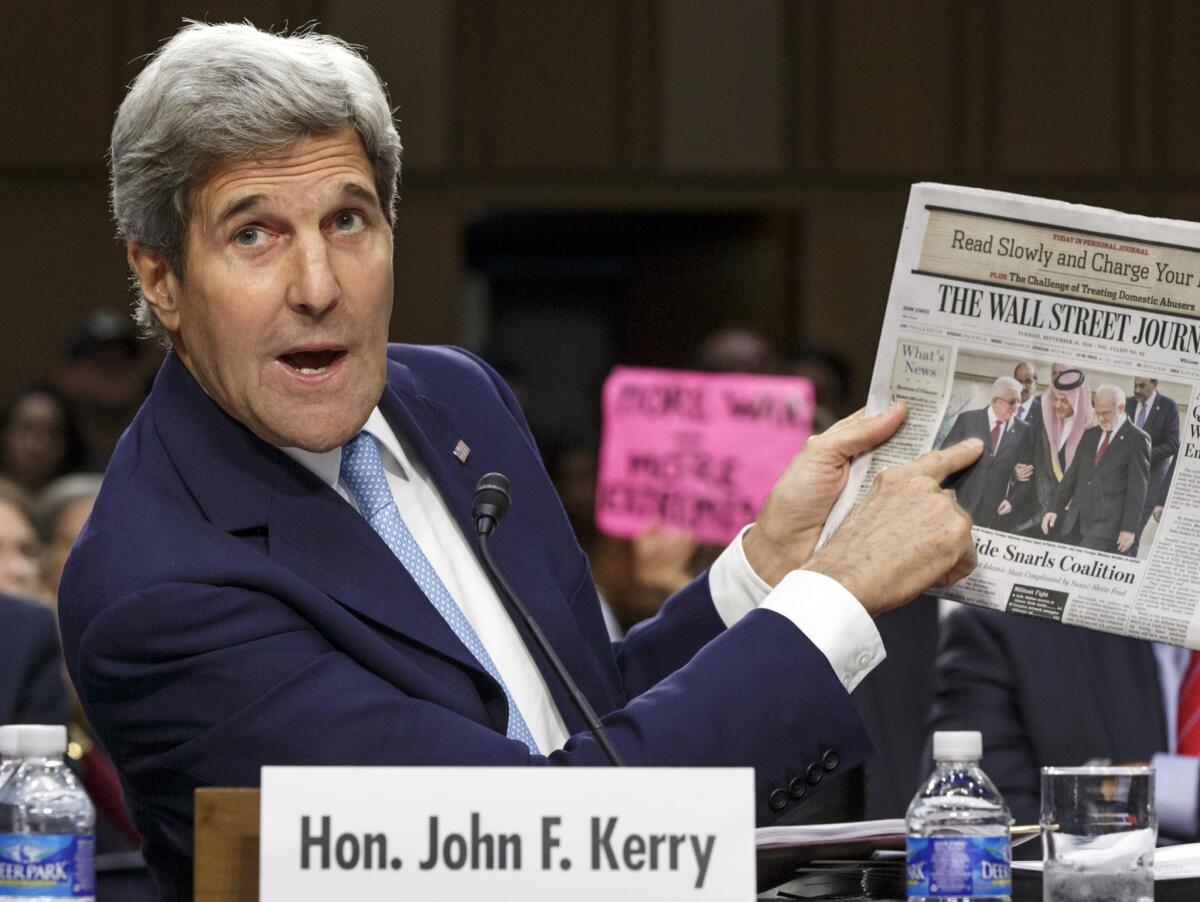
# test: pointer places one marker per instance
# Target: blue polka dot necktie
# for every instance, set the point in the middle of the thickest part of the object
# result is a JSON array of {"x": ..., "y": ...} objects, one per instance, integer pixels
[{"x": 362, "y": 472}]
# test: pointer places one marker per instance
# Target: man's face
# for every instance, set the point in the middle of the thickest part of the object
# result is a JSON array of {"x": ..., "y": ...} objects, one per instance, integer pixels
[
  {"x": 282, "y": 313},
  {"x": 1143, "y": 388},
  {"x": 1107, "y": 412},
  {"x": 1027, "y": 376},
  {"x": 1004, "y": 404},
  {"x": 1062, "y": 406}
]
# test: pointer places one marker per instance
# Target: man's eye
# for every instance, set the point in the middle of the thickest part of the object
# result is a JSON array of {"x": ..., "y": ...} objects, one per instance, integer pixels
[
  {"x": 248, "y": 237},
  {"x": 348, "y": 221}
]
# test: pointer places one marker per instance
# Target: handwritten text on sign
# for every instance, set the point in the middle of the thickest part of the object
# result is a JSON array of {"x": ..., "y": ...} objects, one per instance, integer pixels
[
  {"x": 540, "y": 834},
  {"x": 695, "y": 451}
]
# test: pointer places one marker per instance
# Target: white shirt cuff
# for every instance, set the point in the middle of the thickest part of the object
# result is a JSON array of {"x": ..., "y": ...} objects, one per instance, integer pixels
[
  {"x": 735, "y": 588},
  {"x": 820, "y": 607},
  {"x": 1176, "y": 781}
]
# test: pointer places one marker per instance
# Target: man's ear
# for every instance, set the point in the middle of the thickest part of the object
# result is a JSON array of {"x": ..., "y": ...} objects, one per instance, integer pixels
[{"x": 157, "y": 282}]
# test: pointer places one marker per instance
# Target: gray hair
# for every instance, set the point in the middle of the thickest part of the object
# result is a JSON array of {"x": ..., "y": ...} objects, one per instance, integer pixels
[
  {"x": 1005, "y": 383},
  {"x": 1112, "y": 392},
  {"x": 63, "y": 491},
  {"x": 215, "y": 93}
]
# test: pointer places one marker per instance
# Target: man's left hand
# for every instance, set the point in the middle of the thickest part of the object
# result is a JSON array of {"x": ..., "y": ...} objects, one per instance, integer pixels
[
  {"x": 795, "y": 511},
  {"x": 1124, "y": 541}
]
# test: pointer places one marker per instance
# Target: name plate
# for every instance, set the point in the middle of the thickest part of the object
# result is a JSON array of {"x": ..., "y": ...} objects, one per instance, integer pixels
[{"x": 540, "y": 834}]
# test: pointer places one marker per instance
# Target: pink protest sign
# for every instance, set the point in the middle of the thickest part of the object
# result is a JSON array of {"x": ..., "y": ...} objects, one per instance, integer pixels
[{"x": 695, "y": 451}]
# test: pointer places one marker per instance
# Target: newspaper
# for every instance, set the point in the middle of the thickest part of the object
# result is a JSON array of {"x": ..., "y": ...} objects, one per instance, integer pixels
[{"x": 1082, "y": 517}]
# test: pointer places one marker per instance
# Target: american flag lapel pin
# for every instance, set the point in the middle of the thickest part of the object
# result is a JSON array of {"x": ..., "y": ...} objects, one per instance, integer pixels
[{"x": 462, "y": 451}]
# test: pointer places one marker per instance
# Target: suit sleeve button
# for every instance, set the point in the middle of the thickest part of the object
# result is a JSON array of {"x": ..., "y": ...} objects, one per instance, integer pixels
[
  {"x": 778, "y": 800},
  {"x": 797, "y": 788},
  {"x": 813, "y": 773},
  {"x": 830, "y": 760}
]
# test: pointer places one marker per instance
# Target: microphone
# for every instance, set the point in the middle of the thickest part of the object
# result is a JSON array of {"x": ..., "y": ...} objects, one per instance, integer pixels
[
  {"x": 491, "y": 502},
  {"x": 489, "y": 506}
]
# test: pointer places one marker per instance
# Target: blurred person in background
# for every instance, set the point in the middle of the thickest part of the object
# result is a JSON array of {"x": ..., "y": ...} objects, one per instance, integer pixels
[
  {"x": 32, "y": 689},
  {"x": 62, "y": 512},
  {"x": 736, "y": 349},
  {"x": 634, "y": 577},
  {"x": 39, "y": 437},
  {"x": 20, "y": 548},
  {"x": 104, "y": 374},
  {"x": 832, "y": 381},
  {"x": 1051, "y": 694}
]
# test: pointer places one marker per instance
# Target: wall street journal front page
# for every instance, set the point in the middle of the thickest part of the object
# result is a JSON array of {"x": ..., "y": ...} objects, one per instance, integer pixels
[{"x": 1067, "y": 338}]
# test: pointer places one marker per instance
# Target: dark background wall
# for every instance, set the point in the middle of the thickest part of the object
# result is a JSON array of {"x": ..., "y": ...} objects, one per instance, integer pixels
[{"x": 776, "y": 139}]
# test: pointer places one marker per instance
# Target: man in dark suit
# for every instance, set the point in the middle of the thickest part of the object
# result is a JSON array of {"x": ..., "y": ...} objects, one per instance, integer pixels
[
  {"x": 1158, "y": 417},
  {"x": 1047, "y": 694},
  {"x": 31, "y": 679},
  {"x": 1029, "y": 409},
  {"x": 281, "y": 567},
  {"x": 1100, "y": 499},
  {"x": 983, "y": 491}
]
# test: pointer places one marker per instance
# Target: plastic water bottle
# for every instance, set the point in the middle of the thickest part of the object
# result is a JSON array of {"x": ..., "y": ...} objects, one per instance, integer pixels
[
  {"x": 10, "y": 757},
  {"x": 47, "y": 824},
  {"x": 959, "y": 829}
]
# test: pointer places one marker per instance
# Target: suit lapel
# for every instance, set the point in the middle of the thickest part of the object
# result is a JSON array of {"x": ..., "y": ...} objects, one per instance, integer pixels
[
  {"x": 1155, "y": 414},
  {"x": 1116, "y": 446},
  {"x": 241, "y": 483},
  {"x": 434, "y": 429}
]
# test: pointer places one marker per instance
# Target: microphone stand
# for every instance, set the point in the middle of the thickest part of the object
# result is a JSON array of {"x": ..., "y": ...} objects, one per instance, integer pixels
[{"x": 580, "y": 701}]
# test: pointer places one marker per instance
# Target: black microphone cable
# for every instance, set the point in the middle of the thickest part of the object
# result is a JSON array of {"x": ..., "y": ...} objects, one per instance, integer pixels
[{"x": 491, "y": 503}]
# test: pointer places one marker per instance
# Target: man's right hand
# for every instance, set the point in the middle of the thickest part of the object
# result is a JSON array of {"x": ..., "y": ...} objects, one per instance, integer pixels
[
  {"x": 1048, "y": 522},
  {"x": 905, "y": 535}
]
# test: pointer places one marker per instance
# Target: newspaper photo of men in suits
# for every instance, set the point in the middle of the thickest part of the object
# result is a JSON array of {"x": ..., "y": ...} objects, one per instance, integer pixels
[
  {"x": 1100, "y": 499},
  {"x": 1157, "y": 416},
  {"x": 983, "y": 490}
]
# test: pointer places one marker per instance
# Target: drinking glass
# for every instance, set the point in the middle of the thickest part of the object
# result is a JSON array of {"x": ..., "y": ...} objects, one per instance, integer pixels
[{"x": 1098, "y": 833}]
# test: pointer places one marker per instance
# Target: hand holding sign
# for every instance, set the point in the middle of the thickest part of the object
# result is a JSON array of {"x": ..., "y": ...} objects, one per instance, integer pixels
[{"x": 906, "y": 534}]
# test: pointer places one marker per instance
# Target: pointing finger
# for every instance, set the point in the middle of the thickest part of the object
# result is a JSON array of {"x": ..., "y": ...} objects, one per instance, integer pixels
[{"x": 939, "y": 464}]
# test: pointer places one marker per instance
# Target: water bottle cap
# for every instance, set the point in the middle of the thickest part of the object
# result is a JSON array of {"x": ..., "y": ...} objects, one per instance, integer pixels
[
  {"x": 41, "y": 740},
  {"x": 8, "y": 740},
  {"x": 957, "y": 745}
]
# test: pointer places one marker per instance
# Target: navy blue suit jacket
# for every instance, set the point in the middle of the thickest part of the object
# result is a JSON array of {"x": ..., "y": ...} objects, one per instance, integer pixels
[
  {"x": 1162, "y": 425},
  {"x": 225, "y": 610},
  {"x": 981, "y": 487},
  {"x": 1033, "y": 417},
  {"x": 1106, "y": 498},
  {"x": 32, "y": 688},
  {"x": 1043, "y": 693}
]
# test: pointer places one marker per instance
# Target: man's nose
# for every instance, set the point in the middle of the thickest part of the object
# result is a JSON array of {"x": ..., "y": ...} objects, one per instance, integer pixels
[{"x": 313, "y": 287}]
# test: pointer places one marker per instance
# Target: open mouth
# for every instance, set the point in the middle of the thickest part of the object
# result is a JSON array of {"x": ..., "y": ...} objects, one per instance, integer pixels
[{"x": 312, "y": 363}]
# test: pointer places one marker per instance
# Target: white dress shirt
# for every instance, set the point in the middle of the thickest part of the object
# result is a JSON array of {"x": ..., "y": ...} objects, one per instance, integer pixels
[
  {"x": 1064, "y": 431},
  {"x": 819, "y": 606}
]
